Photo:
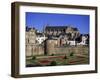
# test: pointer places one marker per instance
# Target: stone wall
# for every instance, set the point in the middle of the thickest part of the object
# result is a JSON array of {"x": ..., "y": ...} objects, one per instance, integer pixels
[
  {"x": 32, "y": 50},
  {"x": 51, "y": 48}
]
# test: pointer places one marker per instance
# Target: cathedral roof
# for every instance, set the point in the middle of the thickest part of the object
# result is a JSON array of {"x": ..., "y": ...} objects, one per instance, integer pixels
[{"x": 60, "y": 27}]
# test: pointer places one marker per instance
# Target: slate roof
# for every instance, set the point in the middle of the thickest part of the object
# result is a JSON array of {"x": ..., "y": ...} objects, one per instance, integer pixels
[
  {"x": 59, "y": 27},
  {"x": 56, "y": 27},
  {"x": 28, "y": 28}
]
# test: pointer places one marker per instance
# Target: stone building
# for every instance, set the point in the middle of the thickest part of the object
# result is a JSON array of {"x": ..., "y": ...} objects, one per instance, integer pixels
[
  {"x": 40, "y": 38},
  {"x": 30, "y": 41},
  {"x": 52, "y": 48},
  {"x": 57, "y": 30},
  {"x": 30, "y": 36},
  {"x": 64, "y": 40},
  {"x": 84, "y": 39},
  {"x": 54, "y": 40},
  {"x": 32, "y": 47}
]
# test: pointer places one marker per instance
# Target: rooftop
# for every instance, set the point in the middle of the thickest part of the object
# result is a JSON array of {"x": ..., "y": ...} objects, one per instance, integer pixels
[
  {"x": 60, "y": 27},
  {"x": 27, "y": 28}
]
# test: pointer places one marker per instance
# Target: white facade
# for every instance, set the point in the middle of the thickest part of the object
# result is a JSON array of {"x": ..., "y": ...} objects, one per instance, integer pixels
[
  {"x": 72, "y": 42},
  {"x": 83, "y": 42},
  {"x": 40, "y": 39}
]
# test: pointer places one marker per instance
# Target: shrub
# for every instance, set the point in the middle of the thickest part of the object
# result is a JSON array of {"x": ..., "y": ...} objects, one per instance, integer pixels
[
  {"x": 65, "y": 57},
  {"x": 71, "y": 54},
  {"x": 34, "y": 57},
  {"x": 52, "y": 54},
  {"x": 53, "y": 63}
]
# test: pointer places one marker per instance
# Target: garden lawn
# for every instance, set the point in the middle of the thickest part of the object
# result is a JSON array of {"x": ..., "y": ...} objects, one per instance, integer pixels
[{"x": 59, "y": 60}]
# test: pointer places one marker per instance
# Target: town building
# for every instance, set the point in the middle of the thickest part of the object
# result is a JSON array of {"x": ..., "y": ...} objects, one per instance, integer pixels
[
  {"x": 57, "y": 30},
  {"x": 32, "y": 46},
  {"x": 40, "y": 38},
  {"x": 53, "y": 39},
  {"x": 84, "y": 40}
]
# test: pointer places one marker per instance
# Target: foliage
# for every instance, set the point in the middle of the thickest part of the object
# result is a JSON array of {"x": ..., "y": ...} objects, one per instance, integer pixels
[
  {"x": 53, "y": 63},
  {"x": 52, "y": 54},
  {"x": 65, "y": 57},
  {"x": 34, "y": 57},
  {"x": 72, "y": 54}
]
